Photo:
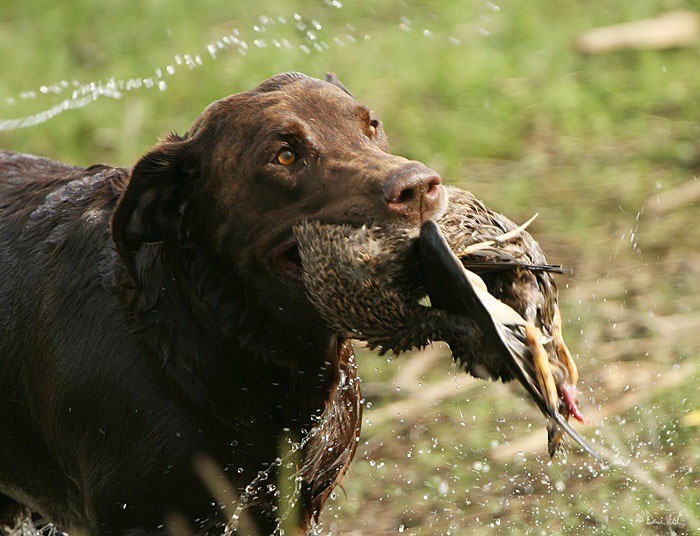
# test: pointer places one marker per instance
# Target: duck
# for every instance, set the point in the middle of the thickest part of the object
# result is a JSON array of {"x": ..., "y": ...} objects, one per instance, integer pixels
[{"x": 471, "y": 278}]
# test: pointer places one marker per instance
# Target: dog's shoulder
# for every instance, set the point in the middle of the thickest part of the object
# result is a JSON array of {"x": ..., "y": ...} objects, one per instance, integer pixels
[
  {"x": 55, "y": 219},
  {"x": 40, "y": 194},
  {"x": 27, "y": 176}
]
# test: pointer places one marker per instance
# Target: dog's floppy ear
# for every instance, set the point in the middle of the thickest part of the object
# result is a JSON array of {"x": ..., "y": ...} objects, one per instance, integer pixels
[{"x": 150, "y": 209}]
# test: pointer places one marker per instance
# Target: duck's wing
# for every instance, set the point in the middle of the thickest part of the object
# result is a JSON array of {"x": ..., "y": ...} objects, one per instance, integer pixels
[{"x": 513, "y": 340}]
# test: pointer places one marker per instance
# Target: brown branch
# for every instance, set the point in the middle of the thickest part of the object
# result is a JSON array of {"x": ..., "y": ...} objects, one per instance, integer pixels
[{"x": 670, "y": 30}]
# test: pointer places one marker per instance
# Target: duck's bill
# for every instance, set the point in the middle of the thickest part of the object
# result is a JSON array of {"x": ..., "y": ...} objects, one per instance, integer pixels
[{"x": 555, "y": 435}]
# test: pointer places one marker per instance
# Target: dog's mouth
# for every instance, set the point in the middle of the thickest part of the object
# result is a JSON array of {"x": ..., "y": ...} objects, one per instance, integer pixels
[{"x": 287, "y": 261}]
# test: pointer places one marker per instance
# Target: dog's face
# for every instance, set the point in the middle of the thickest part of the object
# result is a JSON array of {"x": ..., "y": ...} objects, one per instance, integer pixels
[{"x": 255, "y": 164}]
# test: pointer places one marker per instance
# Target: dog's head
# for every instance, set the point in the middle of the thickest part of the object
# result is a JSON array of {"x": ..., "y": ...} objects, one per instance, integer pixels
[{"x": 255, "y": 164}]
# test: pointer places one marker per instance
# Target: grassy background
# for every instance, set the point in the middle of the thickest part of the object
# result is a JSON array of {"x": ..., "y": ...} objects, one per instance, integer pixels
[{"x": 494, "y": 97}]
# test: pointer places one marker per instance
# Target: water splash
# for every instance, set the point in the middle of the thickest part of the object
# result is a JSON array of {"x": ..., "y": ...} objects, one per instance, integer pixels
[{"x": 294, "y": 32}]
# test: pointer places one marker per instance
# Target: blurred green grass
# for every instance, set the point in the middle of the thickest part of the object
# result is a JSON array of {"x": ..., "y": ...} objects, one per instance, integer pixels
[{"x": 495, "y": 98}]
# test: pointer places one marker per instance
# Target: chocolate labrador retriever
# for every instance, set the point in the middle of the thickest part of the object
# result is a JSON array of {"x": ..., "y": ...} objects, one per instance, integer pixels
[{"x": 153, "y": 317}]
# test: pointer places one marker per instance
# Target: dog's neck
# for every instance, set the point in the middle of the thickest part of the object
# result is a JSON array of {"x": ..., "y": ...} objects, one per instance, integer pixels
[{"x": 210, "y": 329}]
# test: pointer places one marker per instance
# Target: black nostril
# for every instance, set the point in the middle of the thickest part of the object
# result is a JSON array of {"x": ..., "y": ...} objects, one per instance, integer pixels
[{"x": 406, "y": 196}]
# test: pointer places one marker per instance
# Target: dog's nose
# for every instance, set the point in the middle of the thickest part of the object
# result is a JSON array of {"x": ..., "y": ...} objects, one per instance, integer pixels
[{"x": 415, "y": 192}]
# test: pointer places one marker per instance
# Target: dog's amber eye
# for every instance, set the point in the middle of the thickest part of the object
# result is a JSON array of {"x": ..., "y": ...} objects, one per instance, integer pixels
[
  {"x": 286, "y": 157},
  {"x": 373, "y": 125}
]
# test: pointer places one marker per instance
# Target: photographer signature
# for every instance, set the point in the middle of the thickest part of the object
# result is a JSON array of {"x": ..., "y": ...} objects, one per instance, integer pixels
[{"x": 667, "y": 520}]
